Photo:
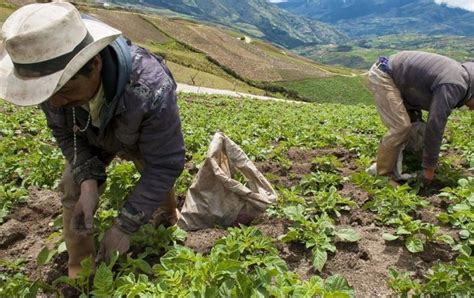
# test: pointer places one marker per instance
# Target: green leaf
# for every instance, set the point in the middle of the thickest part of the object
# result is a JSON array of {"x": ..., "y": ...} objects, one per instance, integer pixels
[
  {"x": 64, "y": 280},
  {"x": 403, "y": 231},
  {"x": 113, "y": 259},
  {"x": 45, "y": 256},
  {"x": 62, "y": 247},
  {"x": 336, "y": 283},
  {"x": 389, "y": 237},
  {"x": 295, "y": 213},
  {"x": 461, "y": 207},
  {"x": 464, "y": 234},
  {"x": 446, "y": 239},
  {"x": 348, "y": 235},
  {"x": 465, "y": 249},
  {"x": 86, "y": 269},
  {"x": 229, "y": 266},
  {"x": 414, "y": 245},
  {"x": 443, "y": 217},
  {"x": 103, "y": 281},
  {"x": 292, "y": 235},
  {"x": 319, "y": 259},
  {"x": 140, "y": 264},
  {"x": 178, "y": 233}
]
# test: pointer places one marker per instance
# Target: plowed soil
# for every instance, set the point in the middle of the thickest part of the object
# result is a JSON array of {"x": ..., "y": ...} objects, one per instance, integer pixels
[{"x": 365, "y": 264}]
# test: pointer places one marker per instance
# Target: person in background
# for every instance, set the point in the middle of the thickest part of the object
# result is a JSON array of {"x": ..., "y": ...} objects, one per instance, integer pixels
[
  {"x": 407, "y": 83},
  {"x": 102, "y": 98}
]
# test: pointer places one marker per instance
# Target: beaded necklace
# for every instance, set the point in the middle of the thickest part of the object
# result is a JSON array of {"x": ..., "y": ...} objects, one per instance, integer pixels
[{"x": 76, "y": 129}]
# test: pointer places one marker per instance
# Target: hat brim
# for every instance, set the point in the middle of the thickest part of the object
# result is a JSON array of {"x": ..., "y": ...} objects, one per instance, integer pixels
[{"x": 28, "y": 91}]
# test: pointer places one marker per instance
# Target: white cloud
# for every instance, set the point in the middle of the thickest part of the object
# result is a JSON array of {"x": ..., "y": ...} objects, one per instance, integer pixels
[{"x": 465, "y": 4}]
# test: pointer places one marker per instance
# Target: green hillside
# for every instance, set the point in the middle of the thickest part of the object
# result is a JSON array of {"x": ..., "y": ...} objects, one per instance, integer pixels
[
  {"x": 368, "y": 18},
  {"x": 336, "y": 89},
  {"x": 258, "y": 18},
  {"x": 361, "y": 53},
  {"x": 210, "y": 56}
]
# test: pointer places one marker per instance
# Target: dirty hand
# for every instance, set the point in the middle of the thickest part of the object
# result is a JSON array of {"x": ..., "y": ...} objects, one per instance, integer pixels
[
  {"x": 114, "y": 240},
  {"x": 82, "y": 220}
]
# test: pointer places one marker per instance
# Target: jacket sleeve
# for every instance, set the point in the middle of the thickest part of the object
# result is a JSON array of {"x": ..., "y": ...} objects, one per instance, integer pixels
[
  {"x": 445, "y": 99},
  {"x": 88, "y": 165},
  {"x": 161, "y": 144}
]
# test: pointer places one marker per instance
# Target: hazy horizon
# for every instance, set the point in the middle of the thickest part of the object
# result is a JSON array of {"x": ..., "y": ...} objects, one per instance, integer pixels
[{"x": 464, "y": 4}]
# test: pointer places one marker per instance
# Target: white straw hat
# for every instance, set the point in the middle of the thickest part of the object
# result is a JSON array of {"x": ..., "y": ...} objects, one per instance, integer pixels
[{"x": 42, "y": 46}]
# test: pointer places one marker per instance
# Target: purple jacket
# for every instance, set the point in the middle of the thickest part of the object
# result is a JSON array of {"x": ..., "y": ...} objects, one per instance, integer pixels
[{"x": 139, "y": 122}]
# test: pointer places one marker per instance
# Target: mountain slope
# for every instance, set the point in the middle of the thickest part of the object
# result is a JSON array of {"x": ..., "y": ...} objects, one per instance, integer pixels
[
  {"x": 255, "y": 17},
  {"x": 362, "y": 18}
]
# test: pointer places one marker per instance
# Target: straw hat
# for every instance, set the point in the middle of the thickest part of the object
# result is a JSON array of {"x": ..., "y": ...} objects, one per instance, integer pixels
[{"x": 42, "y": 46}]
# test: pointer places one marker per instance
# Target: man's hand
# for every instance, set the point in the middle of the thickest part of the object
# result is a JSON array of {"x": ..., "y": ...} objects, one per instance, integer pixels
[
  {"x": 82, "y": 220},
  {"x": 114, "y": 240},
  {"x": 428, "y": 175}
]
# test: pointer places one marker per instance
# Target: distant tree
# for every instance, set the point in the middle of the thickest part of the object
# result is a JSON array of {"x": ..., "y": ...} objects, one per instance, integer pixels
[{"x": 344, "y": 48}]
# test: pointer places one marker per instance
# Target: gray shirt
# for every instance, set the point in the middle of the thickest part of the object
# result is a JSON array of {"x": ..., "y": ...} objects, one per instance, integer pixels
[{"x": 433, "y": 83}]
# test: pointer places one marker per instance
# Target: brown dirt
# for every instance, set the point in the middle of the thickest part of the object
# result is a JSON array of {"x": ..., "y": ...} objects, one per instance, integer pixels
[
  {"x": 301, "y": 165},
  {"x": 27, "y": 229},
  {"x": 202, "y": 241},
  {"x": 132, "y": 25},
  {"x": 247, "y": 60},
  {"x": 365, "y": 264}
]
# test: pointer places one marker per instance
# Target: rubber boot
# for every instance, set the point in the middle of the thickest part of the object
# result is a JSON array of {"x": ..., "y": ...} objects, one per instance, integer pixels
[
  {"x": 78, "y": 247},
  {"x": 167, "y": 214},
  {"x": 386, "y": 159}
]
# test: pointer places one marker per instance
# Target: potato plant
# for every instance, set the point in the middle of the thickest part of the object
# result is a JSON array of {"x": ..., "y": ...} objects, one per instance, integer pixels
[{"x": 246, "y": 262}]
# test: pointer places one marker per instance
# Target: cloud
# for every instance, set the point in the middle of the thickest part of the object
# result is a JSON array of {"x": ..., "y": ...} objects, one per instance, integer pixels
[{"x": 464, "y": 4}]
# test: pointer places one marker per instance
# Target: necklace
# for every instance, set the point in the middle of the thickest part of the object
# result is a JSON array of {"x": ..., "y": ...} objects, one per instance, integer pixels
[{"x": 75, "y": 129}]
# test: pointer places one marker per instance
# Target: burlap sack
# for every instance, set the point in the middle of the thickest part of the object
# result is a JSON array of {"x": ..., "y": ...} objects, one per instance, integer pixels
[{"x": 216, "y": 199}]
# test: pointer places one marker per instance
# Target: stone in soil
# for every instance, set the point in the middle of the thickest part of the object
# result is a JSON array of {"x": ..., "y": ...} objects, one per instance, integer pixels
[{"x": 11, "y": 232}]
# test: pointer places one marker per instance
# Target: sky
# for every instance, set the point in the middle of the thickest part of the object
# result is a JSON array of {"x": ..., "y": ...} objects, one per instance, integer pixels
[{"x": 465, "y": 4}]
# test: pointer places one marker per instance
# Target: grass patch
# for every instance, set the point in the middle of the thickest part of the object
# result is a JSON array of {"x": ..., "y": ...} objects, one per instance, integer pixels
[
  {"x": 195, "y": 77},
  {"x": 336, "y": 89},
  {"x": 5, "y": 11},
  {"x": 194, "y": 68},
  {"x": 362, "y": 53}
]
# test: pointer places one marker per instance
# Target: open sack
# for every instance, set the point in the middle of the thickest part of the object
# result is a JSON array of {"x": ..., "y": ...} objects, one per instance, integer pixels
[{"x": 216, "y": 198}]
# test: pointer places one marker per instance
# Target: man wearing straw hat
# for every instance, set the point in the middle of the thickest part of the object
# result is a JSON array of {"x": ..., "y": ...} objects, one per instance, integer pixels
[{"x": 102, "y": 97}]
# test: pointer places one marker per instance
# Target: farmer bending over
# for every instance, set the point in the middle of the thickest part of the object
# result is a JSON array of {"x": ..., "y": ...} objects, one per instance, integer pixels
[
  {"x": 411, "y": 81},
  {"x": 102, "y": 98}
]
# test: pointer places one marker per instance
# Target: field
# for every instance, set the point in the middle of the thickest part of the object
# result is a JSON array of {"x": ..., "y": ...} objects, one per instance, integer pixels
[
  {"x": 362, "y": 53},
  {"x": 335, "y": 231},
  {"x": 247, "y": 60},
  {"x": 5, "y": 11},
  {"x": 340, "y": 89}
]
